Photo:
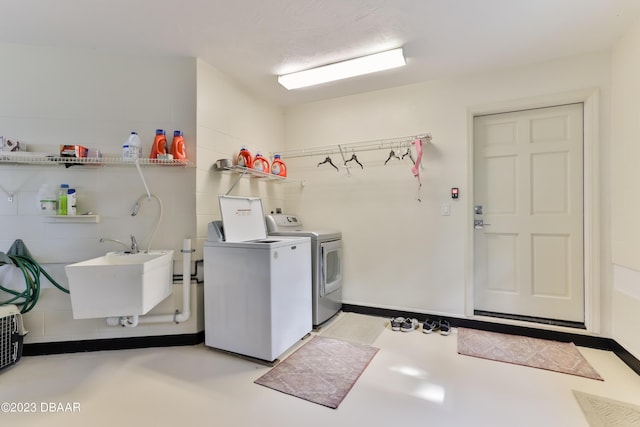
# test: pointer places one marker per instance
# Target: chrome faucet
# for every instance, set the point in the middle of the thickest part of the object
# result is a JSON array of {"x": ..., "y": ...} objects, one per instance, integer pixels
[
  {"x": 134, "y": 245},
  {"x": 103, "y": 240}
]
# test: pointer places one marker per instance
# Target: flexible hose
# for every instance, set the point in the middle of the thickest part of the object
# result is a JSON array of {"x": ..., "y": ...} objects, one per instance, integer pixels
[
  {"x": 136, "y": 209},
  {"x": 31, "y": 271}
]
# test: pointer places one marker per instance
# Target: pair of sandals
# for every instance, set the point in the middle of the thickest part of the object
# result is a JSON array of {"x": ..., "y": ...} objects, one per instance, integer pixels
[{"x": 411, "y": 324}]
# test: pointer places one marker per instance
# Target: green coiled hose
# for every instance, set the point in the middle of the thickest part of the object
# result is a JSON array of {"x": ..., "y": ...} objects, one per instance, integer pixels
[{"x": 31, "y": 271}]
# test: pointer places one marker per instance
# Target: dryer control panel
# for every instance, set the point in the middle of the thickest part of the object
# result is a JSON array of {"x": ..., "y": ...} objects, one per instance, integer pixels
[{"x": 283, "y": 222}]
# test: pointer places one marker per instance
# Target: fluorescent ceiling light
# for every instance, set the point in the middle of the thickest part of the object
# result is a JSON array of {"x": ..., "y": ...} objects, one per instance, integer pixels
[{"x": 345, "y": 69}]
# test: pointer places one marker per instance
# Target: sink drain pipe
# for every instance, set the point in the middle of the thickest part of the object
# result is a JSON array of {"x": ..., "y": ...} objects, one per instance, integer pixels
[{"x": 177, "y": 317}]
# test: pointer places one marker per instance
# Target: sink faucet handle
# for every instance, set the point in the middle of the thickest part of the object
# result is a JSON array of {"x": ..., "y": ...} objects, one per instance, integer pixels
[{"x": 134, "y": 244}]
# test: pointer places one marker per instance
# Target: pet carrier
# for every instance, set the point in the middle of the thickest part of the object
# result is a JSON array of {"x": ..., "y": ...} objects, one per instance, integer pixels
[{"x": 11, "y": 335}]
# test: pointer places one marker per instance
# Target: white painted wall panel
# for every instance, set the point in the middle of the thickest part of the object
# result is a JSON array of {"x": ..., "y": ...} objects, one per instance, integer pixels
[
  {"x": 624, "y": 188},
  {"x": 229, "y": 118},
  {"x": 62, "y": 96},
  {"x": 626, "y": 151},
  {"x": 401, "y": 253}
]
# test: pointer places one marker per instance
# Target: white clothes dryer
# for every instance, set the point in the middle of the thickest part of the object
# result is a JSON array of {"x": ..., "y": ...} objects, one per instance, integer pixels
[{"x": 326, "y": 262}]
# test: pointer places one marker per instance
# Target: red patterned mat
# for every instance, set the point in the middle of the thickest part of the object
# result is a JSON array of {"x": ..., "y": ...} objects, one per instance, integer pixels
[
  {"x": 534, "y": 352},
  {"x": 322, "y": 371}
]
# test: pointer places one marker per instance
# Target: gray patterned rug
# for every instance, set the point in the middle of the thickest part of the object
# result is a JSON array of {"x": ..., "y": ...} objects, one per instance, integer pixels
[
  {"x": 537, "y": 353},
  {"x": 603, "y": 412},
  {"x": 322, "y": 371}
]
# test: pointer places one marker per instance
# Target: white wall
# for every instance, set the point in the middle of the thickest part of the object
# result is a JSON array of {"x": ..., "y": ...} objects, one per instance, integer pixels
[
  {"x": 401, "y": 253},
  {"x": 624, "y": 189},
  {"x": 229, "y": 118},
  {"x": 54, "y": 96}
]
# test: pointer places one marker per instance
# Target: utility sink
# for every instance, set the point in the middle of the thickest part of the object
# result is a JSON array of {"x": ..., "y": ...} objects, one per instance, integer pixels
[{"x": 120, "y": 283}]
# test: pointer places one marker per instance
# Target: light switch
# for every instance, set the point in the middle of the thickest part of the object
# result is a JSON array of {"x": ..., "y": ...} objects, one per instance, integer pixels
[{"x": 446, "y": 210}]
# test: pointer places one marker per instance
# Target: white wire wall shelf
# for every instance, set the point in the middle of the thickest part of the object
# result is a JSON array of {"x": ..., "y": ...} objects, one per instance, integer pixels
[
  {"x": 40, "y": 159},
  {"x": 242, "y": 172},
  {"x": 252, "y": 173}
]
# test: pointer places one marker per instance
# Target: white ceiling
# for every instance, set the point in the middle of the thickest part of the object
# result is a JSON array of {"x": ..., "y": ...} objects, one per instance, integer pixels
[{"x": 254, "y": 40}]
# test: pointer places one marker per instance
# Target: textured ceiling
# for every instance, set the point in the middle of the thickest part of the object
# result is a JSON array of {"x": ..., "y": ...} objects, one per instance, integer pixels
[{"x": 254, "y": 40}]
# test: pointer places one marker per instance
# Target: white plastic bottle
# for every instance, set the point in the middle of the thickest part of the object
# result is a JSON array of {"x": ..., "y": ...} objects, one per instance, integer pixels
[
  {"x": 132, "y": 149},
  {"x": 71, "y": 201}
]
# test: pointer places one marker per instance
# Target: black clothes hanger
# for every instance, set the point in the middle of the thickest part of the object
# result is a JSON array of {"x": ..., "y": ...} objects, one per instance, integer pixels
[
  {"x": 354, "y": 157},
  {"x": 328, "y": 160},
  {"x": 392, "y": 155},
  {"x": 408, "y": 153}
]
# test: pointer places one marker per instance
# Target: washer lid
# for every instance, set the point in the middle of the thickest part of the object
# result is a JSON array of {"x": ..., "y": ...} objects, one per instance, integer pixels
[{"x": 242, "y": 218}]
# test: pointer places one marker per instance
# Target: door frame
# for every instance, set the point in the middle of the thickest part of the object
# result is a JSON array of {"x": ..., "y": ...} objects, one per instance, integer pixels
[{"x": 591, "y": 100}]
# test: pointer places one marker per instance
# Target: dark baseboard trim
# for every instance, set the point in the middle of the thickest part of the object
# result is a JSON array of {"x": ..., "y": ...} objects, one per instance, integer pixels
[
  {"x": 629, "y": 359},
  {"x": 599, "y": 343},
  {"x": 39, "y": 349}
]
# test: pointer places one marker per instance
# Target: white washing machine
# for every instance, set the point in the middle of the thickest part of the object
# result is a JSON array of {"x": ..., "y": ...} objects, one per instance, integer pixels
[{"x": 257, "y": 290}]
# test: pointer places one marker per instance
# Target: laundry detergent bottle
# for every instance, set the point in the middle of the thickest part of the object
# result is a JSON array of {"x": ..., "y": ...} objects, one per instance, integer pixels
[
  {"x": 244, "y": 158},
  {"x": 177, "y": 146},
  {"x": 159, "y": 144},
  {"x": 260, "y": 163},
  {"x": 278, "y": 167}
]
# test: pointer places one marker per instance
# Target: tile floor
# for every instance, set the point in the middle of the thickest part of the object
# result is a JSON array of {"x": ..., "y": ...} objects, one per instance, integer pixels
[{"x": 414, "y": 380}]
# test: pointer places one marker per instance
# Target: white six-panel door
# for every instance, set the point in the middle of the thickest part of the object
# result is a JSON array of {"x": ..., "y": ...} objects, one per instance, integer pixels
[{"x": 528, "y": 185}]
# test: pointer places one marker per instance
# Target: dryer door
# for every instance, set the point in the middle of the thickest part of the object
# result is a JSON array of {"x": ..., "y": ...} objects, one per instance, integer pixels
[{"x": 331, "y": 267}]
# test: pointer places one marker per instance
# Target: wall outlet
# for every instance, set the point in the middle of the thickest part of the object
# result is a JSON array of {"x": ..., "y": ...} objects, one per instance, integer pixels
[{"x": 446, "y": 210}]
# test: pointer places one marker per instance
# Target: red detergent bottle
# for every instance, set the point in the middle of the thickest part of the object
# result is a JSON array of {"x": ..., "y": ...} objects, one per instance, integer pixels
[
  {"x": 278, "y": 167},
  {"x": 244, "y": 158},
  {"x": 177, "y": 146},
  {"x": 260, "y": 163},
  {"x": 159, "y": 146}
]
